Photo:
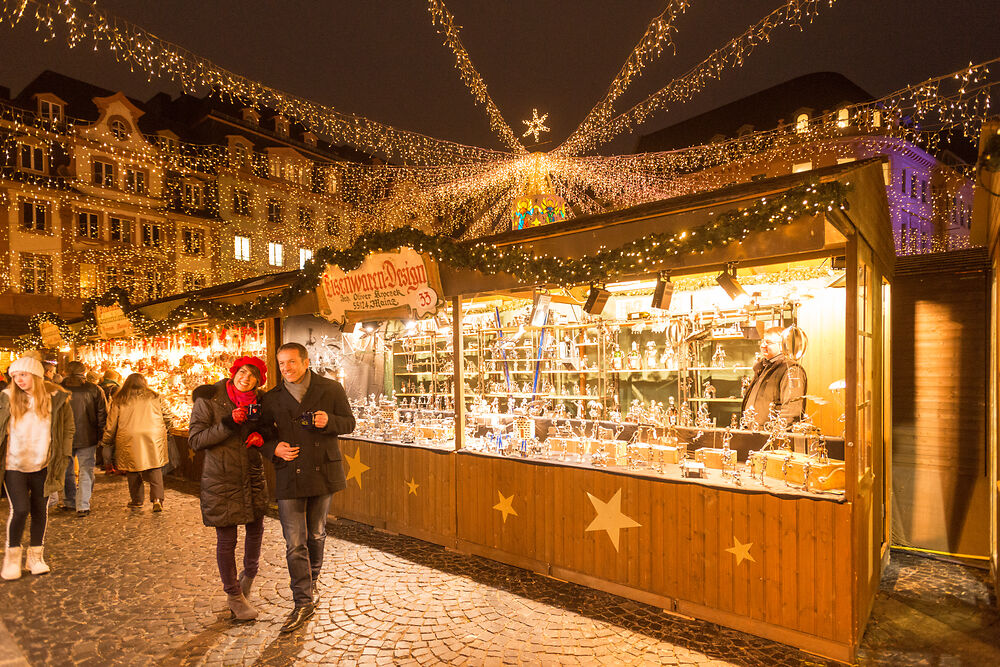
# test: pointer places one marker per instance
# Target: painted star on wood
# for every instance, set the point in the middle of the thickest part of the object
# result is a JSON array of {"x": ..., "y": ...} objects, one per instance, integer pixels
[
  {"x": 412, "y": 486},
  {"x": 505, "y": 506},
  {"x": 741, "y": 551},
  {"x": 535, "y": 125},
  {"x": 355, "y": 467},
  {"x": 610, "y": 518}
]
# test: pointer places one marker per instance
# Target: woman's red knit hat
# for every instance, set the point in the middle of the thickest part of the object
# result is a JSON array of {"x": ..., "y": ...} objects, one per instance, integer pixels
[{"x": 250, "y": 361}]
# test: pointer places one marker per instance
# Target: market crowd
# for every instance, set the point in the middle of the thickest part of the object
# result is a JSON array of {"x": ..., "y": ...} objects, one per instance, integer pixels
[{"x": 56, "y": 430}]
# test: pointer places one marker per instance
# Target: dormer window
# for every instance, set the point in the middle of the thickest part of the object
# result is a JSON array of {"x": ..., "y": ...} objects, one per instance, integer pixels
[
  {"x": 802, "y": 123},
  {"x": 843, "y": 118},
  {"x": 309, "y": 138},
  {"x": 50, "y": 111},
  {"x": 31, "y": 158},
  {"x": 119, "y": 129},
  {"x": 251, "y": 116},
  {"x": 168, "y": 141},
  {"x": 281, "y": 125}
]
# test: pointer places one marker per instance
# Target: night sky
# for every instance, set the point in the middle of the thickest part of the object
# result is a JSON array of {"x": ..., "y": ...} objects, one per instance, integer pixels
[{"x": 383, "y": 59}]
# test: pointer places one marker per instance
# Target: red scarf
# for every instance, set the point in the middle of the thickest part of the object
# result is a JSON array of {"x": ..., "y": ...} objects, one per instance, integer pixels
[{"x": 240, "y": 398}]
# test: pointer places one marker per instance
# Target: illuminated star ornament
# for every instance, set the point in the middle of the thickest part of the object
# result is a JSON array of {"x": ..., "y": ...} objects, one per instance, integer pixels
[
  {"x": 412, "y": 486},
  {"x": 505, "y": 506},
  {"x": 355, "y": 467},
  {"x": 535, "y": 125},
  {"x": 741, "y": 551},
  {"x": 610, "y": 518}
]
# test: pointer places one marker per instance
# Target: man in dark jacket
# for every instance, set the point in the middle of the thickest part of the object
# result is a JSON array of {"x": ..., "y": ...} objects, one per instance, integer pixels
[
  {"x": 306, "y": 412},
  {"x": 776, "y": 379},
  {"x": 90, "y": 415}
]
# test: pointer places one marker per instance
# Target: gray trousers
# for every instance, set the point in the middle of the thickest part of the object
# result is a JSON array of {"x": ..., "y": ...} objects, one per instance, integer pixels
[
  {"x": 303, "y": 523},
  {"x": 155, "y": 479}
]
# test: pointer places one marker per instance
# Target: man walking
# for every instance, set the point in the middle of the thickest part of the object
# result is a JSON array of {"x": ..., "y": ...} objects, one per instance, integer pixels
[
  {"x": 306, "y": 412},
  {"x": 90, "y": 415}
]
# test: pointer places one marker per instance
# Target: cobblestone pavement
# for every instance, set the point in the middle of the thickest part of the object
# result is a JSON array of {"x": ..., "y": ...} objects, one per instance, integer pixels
[{"x": 132, "y": 587}]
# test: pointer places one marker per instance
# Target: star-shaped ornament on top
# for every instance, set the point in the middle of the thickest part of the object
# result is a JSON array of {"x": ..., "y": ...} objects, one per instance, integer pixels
[
  {"x": 741, "y": 551},
  {"x": 355, "y": 467},
  {"x": 505, "y": 506},
  {"x": 610, "y": 518},
  {"x": 535, "y": 125},
  {"x": 412, "y": 486}
]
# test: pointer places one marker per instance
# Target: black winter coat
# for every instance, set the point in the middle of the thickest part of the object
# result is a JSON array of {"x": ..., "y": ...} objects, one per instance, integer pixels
[
  {"x": 90, "y": 411},
  {"x": 318, "y": 469},
  {"x": 233, "y": 490}
]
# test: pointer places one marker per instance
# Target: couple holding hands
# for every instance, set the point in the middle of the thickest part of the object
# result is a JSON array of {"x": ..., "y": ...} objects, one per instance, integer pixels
[{"x": 295, "y": 426}]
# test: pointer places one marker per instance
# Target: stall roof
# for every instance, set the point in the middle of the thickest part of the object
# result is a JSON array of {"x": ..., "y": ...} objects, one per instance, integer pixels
[{"x": 868, "y": 215}]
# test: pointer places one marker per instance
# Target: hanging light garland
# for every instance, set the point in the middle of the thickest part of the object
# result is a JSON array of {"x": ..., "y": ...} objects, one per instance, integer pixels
[{"x": 440, "y": 16}]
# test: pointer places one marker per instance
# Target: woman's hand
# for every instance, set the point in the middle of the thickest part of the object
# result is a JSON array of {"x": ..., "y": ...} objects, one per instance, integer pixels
[{"x": 240, "y": 415}]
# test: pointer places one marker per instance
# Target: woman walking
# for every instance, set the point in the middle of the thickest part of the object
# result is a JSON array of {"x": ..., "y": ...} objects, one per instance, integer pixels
[
  {"x": 138, "y": 424},
  {"x": 36, "y": 442},
  {"x": 233, "y": 491}
]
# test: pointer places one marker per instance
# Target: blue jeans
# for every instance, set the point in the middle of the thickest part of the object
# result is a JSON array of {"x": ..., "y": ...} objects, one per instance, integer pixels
[
  {"x": 85, "y": 457},
  {"x": 303, "y": 523}
]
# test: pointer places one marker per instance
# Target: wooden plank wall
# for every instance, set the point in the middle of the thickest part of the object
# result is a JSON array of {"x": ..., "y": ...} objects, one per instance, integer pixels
[{"x": 941, "y": 485}]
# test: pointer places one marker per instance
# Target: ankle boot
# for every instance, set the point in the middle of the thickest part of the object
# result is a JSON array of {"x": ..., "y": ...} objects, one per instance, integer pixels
[
  {"x": 246, "y": 583},
  {"x": 11, "y": 564},
  {"x": 240, "y": 608},
  {"x": 34, "y": 562}
]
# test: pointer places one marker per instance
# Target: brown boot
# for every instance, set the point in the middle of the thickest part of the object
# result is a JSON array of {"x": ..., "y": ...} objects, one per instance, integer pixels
[
  {"x": 246, "y": 583},
  {"x": 241, "y": 609}
]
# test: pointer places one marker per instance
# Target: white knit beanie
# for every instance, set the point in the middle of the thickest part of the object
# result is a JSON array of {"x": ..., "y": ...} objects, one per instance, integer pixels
[{"x": 26, "y": 365}]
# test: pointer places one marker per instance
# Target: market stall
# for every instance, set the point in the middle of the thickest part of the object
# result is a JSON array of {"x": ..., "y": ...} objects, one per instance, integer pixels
[{"x": 587, "y": 417}]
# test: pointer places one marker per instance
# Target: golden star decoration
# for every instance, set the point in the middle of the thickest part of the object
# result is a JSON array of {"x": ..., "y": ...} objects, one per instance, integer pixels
[
  {"x": 355, "y": 467},
  {"x": 535, "y": 125},
  {"x": 609, "y": 517},
  {"x": 505, "y": 506},
  {"x": 741, "y": 551},
  {"x": 412, "y": 486}
]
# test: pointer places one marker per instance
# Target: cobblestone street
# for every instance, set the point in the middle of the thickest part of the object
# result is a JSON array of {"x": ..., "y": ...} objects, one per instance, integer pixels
[{"x": 132, "y": 587}]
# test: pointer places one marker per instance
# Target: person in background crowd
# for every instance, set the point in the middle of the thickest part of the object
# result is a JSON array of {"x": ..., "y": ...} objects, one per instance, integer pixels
[
  {"x": 3, "y": 381},
  {"x": 138, "y": 424},
  {"x": 304, "y": 415},
  {"x": 233, "y": 490},
  {"x": 94, "y": 378},
  {"x": 109, "y": 384},
  {"x": 90, "y": 415},
  {"x": 50, "y": 372},
  {"x": 36, "y": 440}
]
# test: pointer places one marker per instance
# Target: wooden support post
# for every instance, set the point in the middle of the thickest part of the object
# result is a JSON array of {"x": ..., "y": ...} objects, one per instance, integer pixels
[{"x": 458, "y": 364}]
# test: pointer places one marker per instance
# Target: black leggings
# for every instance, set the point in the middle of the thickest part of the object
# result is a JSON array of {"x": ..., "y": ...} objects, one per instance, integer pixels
[
  {"x": 26, "y": 493},
  {"x": 225, "y": 553}
]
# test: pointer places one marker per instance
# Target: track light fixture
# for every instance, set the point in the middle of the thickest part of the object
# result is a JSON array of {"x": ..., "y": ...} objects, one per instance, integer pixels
[
  {"x": 596, "y": 300},
  {"x": 727, "y": 281},
  {"x": 663, "y": 292}
]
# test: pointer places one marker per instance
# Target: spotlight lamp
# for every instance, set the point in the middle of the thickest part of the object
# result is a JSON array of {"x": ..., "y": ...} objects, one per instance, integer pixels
[
  {"x": 663, "y": 292},
  {"x": 727, "y": 281},
  {"x": 596, "y": 300}
]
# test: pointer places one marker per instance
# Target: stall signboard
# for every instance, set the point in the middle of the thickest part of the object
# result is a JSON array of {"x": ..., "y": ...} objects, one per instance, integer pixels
[
  {"x": 50, "y": 335},
  {"x": 111, "y": 322},
  {"x": 399, "y": 284}
]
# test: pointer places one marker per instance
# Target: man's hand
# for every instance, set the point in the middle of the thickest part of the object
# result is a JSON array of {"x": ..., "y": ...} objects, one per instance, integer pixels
[
  {"x": 286, "y": 451},
  {"x": 320, "y": 419}
]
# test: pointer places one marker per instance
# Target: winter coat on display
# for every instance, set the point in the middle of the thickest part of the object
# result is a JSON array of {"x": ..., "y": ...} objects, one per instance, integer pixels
[
  {"x": 89, "y": 411},
  {"x": 138, "y": 430},
  {"x": 60, "y": 445},
  {"x": 318, "y": 469},
  {"x": 233, "y": 490}
]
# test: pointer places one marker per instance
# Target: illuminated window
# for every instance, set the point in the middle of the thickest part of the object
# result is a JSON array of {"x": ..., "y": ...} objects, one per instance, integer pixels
[
  {"x": 31, "y": 158},
  {"x": 193, "y": 281},
  {"x": 304, "y": 256},
  {"x": 36, "y": 273},
  {"x": 104, "y": 173},
  {"x": 242, "y": 248},
  {"x": 333, "y": 224},
  {"x": 241, "y": 155},
  {"x": 802, "y": 123},
  {"x": 876, "y": 118},
  {"x": 305, "y": 217},
  {"x": 152, "y": 234},
  {"x": 88, "y": 226},
  {"x": 88, "y": 280},
  {"x": 913, "y": 185},
  {"x": 886, "y": 174},
  {"x": 275, "y": 254},
  {"x": 843, "y": 118},
  {"x": 120, "y": 129},
  {"x": 923, "y": 191},
  {"x": 193, "y": 195},
  {"x": 34, "y": 216},
  {"x": 122, "y": 230}
]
